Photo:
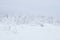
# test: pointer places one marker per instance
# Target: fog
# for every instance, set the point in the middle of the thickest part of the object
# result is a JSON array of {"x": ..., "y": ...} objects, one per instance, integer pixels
[
  {"x": 30, "y": 20},
  {"x": 30, "y": 7}
]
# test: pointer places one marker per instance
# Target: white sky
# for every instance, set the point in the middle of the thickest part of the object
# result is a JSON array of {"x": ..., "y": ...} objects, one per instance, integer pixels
[{"x": 28, "y": 7}]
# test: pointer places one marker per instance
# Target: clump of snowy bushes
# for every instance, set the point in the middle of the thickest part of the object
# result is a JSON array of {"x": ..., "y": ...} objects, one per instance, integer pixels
[
  {"x": 37, "y": 20},
  {"x": 12, "y": 21}
]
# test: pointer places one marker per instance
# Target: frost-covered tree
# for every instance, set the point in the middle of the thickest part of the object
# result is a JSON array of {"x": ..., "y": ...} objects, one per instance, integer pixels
[{"x": 49, "y": 20}]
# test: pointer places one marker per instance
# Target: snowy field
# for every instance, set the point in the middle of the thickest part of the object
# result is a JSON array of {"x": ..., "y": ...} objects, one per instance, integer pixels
[
  {"x": 22, "y": 28},
  {"x": 29, "y": 19}
]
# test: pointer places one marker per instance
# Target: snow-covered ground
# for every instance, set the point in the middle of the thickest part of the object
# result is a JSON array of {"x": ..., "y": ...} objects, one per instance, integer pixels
[
  {"x": 29, "y": 19},
  {"x": 28, "y": 32},
  {"x": 15, "y": 29}
]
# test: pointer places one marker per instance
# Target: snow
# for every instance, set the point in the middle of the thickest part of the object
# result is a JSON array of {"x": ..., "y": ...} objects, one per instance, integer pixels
[
  {"x": 29, "y": 19},
  {"x": 48, "y": 32},
  {"x": 10, "y": 30}
]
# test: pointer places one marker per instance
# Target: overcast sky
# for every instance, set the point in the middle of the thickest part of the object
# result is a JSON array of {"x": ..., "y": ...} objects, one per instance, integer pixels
[{"x": 29, "y": 7}]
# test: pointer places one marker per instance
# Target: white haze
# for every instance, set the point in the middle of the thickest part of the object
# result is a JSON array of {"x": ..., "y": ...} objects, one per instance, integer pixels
[
  {"x": 29, "y": 19},
  {"x": 30, "y": 7}
]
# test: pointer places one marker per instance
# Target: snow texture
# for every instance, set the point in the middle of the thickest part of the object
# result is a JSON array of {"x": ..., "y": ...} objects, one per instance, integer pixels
[{"x": 25, "y": 28}]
